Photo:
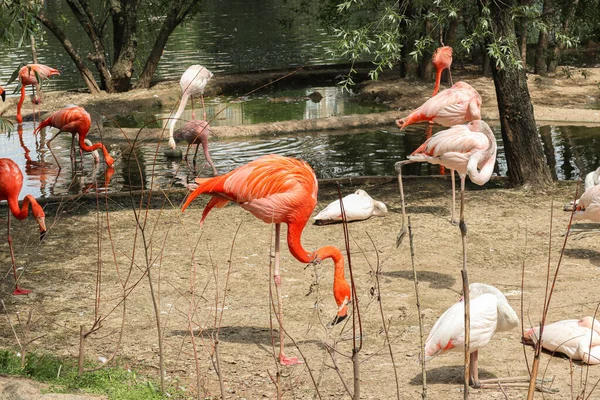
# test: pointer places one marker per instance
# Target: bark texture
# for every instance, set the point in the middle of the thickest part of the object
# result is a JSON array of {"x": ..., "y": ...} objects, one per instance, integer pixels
[{"x": 524, "y": 153}]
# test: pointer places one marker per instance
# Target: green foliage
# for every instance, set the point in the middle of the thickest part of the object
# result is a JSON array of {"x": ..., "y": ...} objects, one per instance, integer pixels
[
  {"x": 116, "y": 383},
  {"x": 17, "y": 21}
]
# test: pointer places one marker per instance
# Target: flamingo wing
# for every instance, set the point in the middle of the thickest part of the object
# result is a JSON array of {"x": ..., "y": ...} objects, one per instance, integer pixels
[
  {"x": 194, "y": 79},
  {"x": 569, "y": 338},
  {"x": 449, "y": 330},
  {"x": 588, "y": 206}
]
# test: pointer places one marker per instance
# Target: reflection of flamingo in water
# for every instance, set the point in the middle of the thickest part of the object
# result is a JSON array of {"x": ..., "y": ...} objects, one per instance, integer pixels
[
  {"x": 193, "y": 81},
  {"x": 11, "y": 183},
  {"x": 77, "y": 121},
  {"x": 33, "y": 74},
  {"x": 34, "y": 168},
  {"x": 277, "y": 190}
]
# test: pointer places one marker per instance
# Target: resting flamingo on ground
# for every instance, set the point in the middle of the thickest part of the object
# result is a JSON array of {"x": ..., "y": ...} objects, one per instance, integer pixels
[
  {"x": 193, "y": 81},
  {"x": 577, "y": 339},
  {"x": 29, "y": 75},
  {"x": 588, "y": 205},
  {"x": 277, "y": 190},
  {"x": 77, "y": 121},
  {"x": 196, "y": 132},
  {"x": 11, "y": 183},
  {"x": 357, "y": 207},
  {"x": 442, "y": 59},
  {"x": 490, "y": 313}
]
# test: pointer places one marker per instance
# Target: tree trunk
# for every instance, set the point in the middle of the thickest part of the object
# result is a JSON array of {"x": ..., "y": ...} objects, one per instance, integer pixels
[
  {"x": 486, "y": 68},
  {"x": 541, "y": 51},
  {"x": 86, "y": 74},
  {"x": 176, "y": 15},
  {"x": 524, "y": 153},
  {"x": 523, "y": 32},
  {"x": 426, "y": 66},
  {"x": 558, "y": 49},
  {"x": 124, "y": 18}
]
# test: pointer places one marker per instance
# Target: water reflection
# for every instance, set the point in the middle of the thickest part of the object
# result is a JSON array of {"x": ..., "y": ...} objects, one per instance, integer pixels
[{"x": 571, "y": 150}]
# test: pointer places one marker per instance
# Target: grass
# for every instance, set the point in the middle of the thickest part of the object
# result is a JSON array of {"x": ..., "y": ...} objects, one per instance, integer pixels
[{"x": 114, "y": 382}]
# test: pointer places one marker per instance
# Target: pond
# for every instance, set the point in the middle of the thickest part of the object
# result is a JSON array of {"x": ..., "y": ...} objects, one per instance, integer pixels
[{"x": 570, "y": 150}]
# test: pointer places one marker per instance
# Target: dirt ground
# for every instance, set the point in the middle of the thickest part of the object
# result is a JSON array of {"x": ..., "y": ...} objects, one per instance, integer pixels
[{"x": 506, "y": 228}]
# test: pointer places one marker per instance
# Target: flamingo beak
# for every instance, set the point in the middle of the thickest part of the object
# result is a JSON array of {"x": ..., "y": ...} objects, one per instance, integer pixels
[
  {"x": 337, "y": 320},
  {"x": 42, "y": 223},
  {"x": 342, "y": 313},
  {"x": 3, "y": 95}
]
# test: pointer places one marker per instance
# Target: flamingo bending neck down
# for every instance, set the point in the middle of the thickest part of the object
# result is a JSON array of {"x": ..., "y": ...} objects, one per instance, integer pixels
[
  {"x": 442, "y": 59},
  {"x": 32, "y": 74},
  {"x": 277, "y": 190},
  {"x": 11, "y": 183},
  {"x": 192, "y": 82},
  {"x": 196, "y": 132},
  {"x": 75, "y": 120}
]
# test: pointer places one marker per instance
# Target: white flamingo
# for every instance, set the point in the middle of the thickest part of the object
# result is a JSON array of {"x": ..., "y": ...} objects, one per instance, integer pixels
[
  {"x": 357, "y": 207},
  {"x": 193, "y": 81}
]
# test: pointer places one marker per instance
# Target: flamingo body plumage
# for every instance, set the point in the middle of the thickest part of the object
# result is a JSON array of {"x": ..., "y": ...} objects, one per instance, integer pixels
[
  {"x": 577, "y": 339},
  {"x": 11, "y": 183},
  {"x": 277, "y": 189},
  {"x": 588, "y": 205},
  {"x": 459, "y": 104},
  {"x": 77, "y": 121},
  {"x": 358, "y": 206},
  {"x": 29, "y": 75},
  {"x": 196, "y": 132},
  {"x": 192, "y": 82}
]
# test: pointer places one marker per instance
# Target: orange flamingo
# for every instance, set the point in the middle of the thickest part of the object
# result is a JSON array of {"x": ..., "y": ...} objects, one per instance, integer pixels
[
  {"x": 77, "y": 121},
  {"x": 278, "y": 189},
  {"x": 11, "y": 182},
  {"x": 442, "y": 59},
  {"x": 32, "y": 74}
]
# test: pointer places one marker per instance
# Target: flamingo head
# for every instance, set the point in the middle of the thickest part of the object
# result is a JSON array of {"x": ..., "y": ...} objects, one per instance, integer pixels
[
  {"x": 442, "y": 58},
  {"x": 109, "y": 160},
  {"x": 35, "y": 99},
  {"x": 2, "y": 93},
  {"x": 343, "y": 297},
  {"x": 172, "y": 144},
  {"x": 379, "y": 208},
  {"x": 40, "y": 218}
]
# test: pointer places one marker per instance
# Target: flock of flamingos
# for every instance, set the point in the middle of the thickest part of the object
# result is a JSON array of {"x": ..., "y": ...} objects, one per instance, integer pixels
[{"x": 277, "y": 189}]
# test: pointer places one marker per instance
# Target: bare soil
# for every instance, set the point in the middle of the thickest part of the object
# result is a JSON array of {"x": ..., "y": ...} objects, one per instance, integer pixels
[{"x": 507, "y": 227}]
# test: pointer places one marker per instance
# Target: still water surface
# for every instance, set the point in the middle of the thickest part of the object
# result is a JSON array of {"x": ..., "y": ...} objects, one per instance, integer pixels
[{"x": 373, "y": 152}]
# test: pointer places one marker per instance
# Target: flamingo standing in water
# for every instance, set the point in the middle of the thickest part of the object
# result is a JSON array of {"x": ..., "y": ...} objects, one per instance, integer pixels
[
  {"x": 196, "y": 132},
  {"x": 490, "y": 313},
  {"x": 578, "y": 339},
  {"x": 193, "y": 81},
  {"x": 11, "y": 183},
  {"x": 32, "y": 74},
  {"x": 77, "y": 121},
  {"x": 277, "y": 190},
  {"x": 442, "y": 59}
]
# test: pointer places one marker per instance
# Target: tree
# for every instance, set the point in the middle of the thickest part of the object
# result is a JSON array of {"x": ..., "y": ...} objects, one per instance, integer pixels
[
  {"x": 377, "y": 31},
  {"x": 124, "y": 17}
]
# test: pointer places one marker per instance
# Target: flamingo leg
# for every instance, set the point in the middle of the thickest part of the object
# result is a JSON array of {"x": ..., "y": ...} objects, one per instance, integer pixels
[
  {"x": 193, "y": 112},
  {"x": 465, "y": 279},
  {"x": 283, "y": 359},
  {"x": 203, "y": 108},
  {"x": 453, "y": 218},
  {"x": 195, "y": 153},
  {"x": 73, "y": 152},
  {"x": 50, "y": 148},
  {"x": 18, "y": 290},
  {"x": 474, "y": 373},
  {"x": 208, "y": 159},
  {"x": 450, "y": 77},
  {"x": 403, "y": 229}
]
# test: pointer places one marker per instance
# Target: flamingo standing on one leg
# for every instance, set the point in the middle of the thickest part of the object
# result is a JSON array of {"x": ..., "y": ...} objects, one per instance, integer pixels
[
  {"x": 490, "y": 313},
  {"x": 32, "y": 74},
  {"x": 196, "y": 132},
  {"x": 277, "y": 190},
  {"x": 11, "y": 182},
  {"x": 75, "y": 120},
  {"x": 193, "y": 81},
  {"x": 578, "y": 339},
  {"x": 442, "y": 59}
]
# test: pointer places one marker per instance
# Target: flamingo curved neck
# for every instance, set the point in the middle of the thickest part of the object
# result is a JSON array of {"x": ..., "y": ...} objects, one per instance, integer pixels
[
  {"x": 182, "y": 104},
  {"x": 438, "y": 79},
  {"x": 489, "y": 155},
  {"x": 84, "y": 146},
  {"x": 20, "y": 212}
]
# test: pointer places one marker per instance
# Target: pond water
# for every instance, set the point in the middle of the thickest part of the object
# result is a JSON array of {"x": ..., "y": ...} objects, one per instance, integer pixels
[{"x": 570, "y": 150}]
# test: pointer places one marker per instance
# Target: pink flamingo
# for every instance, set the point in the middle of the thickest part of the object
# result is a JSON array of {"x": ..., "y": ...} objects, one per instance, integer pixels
[
  {"x": 77, "y": 121},
  {"x": 277, "y": 190},
  {"x": 193, "y": 81},
  {"x": 588, "y": 205},
  {"x": 11, "y": 183},
  {"x": 442, "y": 59},
  {"x": 32, "y": 74},
  {"x": 578, "y": 339},
  {"x": 196, "y": 132},
  {"x": 490, "y": 313}
]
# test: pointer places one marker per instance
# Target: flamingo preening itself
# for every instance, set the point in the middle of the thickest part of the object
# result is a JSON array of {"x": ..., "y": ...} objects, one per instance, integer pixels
[
  {"x": 11, "y": 182},
  {"x": 358, "y": 206},
  {"x": 578, "y": 339},
  {"x": 196, "y": 132},
  {"x": 442, "y": 59},
  {"x": 277, "y": 190},
  {"x": 32, "y": 74},
  {"x": 490, "y": 313},
  {"x": 77, "y": 121},
  {"x": 193, "y": 81}
]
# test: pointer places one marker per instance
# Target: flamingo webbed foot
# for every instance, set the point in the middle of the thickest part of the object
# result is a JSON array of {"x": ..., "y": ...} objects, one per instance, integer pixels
[
  {"x": 288, "y": 361},
  {"x": 19, "y": 291},
  {"x": 454, "y": 222}
]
